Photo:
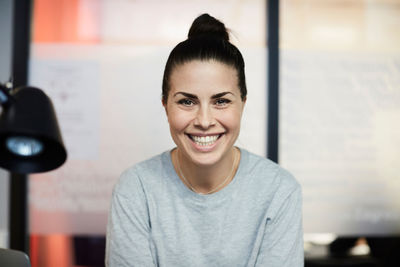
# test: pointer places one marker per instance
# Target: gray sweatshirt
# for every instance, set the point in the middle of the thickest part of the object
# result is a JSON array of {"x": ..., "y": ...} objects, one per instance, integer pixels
[{"x": 155, "y": 220}]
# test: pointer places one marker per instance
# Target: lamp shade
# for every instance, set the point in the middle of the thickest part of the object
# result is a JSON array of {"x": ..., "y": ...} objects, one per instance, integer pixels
[{"x": 30, "y": 139}]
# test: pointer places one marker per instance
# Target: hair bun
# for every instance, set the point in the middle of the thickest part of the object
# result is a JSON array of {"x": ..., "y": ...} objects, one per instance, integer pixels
[{"x": 208, "y": 26}]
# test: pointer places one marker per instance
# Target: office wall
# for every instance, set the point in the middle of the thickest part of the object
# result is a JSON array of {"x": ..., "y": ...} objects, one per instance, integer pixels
[{"x": 6, "y": 9}]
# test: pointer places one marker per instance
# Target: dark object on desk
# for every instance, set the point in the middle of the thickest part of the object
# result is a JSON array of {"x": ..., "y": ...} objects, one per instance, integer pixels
[
  {"x": 385, "y": 252},
  {"x": 355, "y": 261},
  {"x": 13, "y": 258},
  {"x": 30, "y": 139},
  {"x": 341, "y": 246},
  {"x": 386, "y": 249},
  {"x": 89, "y": 250}
]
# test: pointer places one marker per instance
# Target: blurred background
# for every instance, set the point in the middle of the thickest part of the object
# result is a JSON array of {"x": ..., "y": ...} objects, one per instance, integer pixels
[{"x": 101, "y": 62}]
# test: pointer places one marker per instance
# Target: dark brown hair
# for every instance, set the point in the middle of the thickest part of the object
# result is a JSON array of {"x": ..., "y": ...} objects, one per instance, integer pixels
[{"x": 208, "y": 39}]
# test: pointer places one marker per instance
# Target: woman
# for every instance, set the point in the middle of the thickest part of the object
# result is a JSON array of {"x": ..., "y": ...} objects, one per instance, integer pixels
[{"x": 206, "y": 202}]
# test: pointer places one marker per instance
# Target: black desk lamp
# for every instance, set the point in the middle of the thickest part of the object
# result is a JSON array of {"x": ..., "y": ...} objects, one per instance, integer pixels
[
  {"x": 30, "y": 142},
  {"x": 30, "y": 139}
]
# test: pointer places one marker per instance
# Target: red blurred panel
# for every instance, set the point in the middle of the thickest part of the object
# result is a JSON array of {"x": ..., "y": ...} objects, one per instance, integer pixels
[
  {"x": 51, "y": 250},
  {"x": 67, "y": 21},
  {"x": 34, "y": 246}
]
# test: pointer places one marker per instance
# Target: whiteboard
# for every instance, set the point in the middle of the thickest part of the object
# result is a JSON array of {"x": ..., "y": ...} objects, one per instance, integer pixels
[{"x": 340, "y": 136}]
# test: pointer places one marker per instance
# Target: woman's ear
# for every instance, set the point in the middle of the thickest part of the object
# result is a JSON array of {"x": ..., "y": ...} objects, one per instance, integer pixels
[{"x": 165, "y": 106}]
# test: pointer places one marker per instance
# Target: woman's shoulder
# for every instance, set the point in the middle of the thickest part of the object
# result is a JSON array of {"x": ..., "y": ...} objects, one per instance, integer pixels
[
  {"x": 269, "y": 173},
  {"x": 141, "y": 173}
]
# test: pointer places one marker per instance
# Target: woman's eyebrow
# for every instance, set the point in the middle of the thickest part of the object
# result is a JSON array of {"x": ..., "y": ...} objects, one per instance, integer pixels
[
  {"x": 220, "y": 95},
  {"x": 186, "y": 95}
]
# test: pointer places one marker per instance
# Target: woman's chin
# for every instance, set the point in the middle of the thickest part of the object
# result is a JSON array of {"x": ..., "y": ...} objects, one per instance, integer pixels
[{"x": 206, "y": 158}]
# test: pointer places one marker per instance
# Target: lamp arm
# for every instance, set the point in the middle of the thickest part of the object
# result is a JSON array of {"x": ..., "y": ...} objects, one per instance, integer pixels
[{"x": 5, "y": 94}]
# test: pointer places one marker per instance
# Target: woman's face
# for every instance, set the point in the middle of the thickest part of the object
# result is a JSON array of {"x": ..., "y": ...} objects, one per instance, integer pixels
[{"x": 204, "y": 109}]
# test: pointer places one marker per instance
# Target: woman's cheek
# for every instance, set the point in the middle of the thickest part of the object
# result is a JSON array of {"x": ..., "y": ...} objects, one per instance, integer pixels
[{"x": 178, "y": 119}]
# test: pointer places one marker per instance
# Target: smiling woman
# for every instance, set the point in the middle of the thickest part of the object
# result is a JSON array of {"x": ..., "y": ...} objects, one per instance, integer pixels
[{"x": 205, "y": 202}]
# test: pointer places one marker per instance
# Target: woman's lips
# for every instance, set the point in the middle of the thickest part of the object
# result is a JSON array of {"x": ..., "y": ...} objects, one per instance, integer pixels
[{"x": 204, "y": 140}]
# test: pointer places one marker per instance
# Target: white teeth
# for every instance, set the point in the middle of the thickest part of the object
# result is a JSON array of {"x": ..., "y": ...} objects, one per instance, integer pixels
[{"x": 205, "y": 140}]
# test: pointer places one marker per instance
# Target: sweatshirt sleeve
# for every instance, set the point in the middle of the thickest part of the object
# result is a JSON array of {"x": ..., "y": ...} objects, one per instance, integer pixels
[
  {"x": 128, "y": 231},
  {"x": 282, "y": 244}
]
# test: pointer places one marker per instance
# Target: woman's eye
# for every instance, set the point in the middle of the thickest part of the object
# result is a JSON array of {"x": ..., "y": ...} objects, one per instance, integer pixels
[
  {"x": 222, "y": 102},
  {"x": 186, "y": 102}
]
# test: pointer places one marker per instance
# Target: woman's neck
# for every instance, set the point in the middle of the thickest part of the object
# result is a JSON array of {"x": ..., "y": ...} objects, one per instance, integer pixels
[{"x": 210, "y": 178}]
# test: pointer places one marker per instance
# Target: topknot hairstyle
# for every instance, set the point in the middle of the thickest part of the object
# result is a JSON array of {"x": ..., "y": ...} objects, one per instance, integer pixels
[
  {"x": 208, "y": 26},
  {"x": 208, "y": 39}
]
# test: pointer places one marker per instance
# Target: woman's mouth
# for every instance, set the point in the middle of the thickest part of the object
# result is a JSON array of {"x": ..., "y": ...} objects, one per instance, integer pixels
[{"x": 204, "y": 140}]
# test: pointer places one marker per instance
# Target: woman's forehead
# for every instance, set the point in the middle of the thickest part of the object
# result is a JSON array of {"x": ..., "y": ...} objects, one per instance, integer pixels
[
  {"x": 203, "y": 63},
  {"x": 204, "y": 76}
]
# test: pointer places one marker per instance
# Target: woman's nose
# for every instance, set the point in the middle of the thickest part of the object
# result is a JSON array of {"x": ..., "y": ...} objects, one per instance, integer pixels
[{"x": 204, "y": 118}]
